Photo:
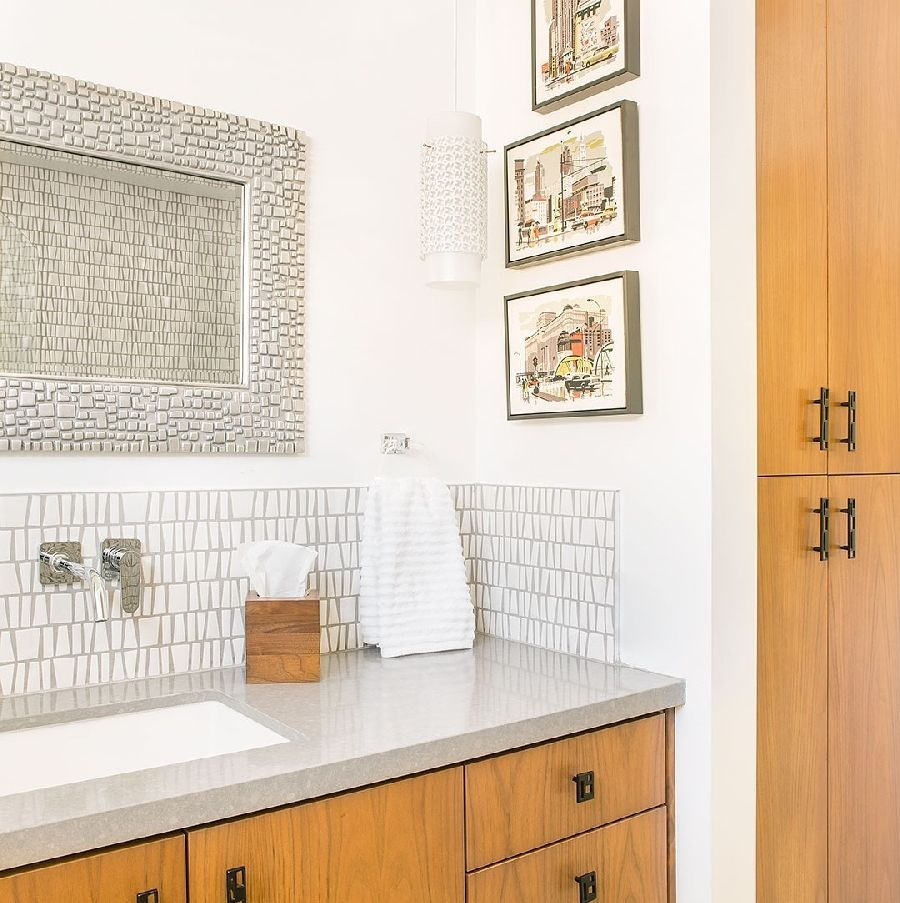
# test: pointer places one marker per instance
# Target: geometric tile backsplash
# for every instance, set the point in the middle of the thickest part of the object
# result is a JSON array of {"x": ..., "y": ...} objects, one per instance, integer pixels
[
  {"x": 544, "y": 566},
  {"x": 541, "y": 564}
]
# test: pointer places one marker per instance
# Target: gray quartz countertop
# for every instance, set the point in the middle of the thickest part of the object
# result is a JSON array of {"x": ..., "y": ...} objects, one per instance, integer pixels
[{"x": 368, "y": 720}]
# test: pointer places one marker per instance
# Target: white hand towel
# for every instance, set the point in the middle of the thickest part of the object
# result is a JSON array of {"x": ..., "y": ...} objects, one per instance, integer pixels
[{"x": 413, "y": 594}]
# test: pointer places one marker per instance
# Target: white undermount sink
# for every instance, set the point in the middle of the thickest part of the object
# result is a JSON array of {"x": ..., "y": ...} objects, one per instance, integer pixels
[{"x": 96, "y": 747}]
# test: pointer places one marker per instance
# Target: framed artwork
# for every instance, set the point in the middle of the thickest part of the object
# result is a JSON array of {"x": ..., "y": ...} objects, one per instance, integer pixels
[
  {"x": 579, "y": 47},
  {"x": 574, "y": 349},
  {"x": 573, "y": 187}
]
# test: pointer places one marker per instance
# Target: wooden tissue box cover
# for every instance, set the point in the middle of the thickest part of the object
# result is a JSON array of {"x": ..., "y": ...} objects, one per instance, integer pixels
[{"x": 283, "y": 639}]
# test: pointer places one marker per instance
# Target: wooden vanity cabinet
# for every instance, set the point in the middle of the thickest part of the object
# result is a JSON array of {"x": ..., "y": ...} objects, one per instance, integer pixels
[
  {"x": 152, "y": 872},
  {"x": 401, "y": 842},
  {"x": 587, "y": 817}
]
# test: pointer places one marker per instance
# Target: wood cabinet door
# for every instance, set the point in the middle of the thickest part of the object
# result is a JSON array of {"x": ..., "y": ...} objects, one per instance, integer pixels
[
  {"x": 114, "y": 876},
  {"x": 401, "y": 842},
  {"x": 864, "y": 230},
  {"x": 626, "y": 862},
  {"x": 792, "y": 767},
  {"x": 864, "y": 694},
  {"x": 791, "y": 233},
  {"x": 261, "y": 852}
]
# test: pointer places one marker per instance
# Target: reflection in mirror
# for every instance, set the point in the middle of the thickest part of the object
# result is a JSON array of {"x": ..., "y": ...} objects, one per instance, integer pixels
[{"x": 117, "y": 271}]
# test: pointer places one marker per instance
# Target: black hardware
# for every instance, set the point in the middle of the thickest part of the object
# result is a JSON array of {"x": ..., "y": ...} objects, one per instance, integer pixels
[
  {"x": 824, "y": 403},
  {"x": 587, "y": 887},
  {"x": 824, "y": 518},
  {"x": 850, "y": 405},
  {"x": 148, "y": 896},
  {"x": 584, "y": 787},
  {"x": 850, "y": 511},
  {"x": 236, "y": 885}
]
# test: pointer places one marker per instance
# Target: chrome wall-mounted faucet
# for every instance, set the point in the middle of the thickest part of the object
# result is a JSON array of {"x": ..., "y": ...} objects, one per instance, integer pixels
[{"x": 61, "y": 564}]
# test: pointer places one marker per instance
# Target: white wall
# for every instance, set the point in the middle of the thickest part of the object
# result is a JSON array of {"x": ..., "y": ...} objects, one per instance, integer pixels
[
  {"x": 360, "y": 79},
  {"x": 663, "y": 461},
  {"x": 733, "y": 179}
]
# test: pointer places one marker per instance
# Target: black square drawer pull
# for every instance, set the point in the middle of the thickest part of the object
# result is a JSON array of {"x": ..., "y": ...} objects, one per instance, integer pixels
[
  {"x": 148, "y": 896},
  {"x": 236, "y": 885},
  {"x": 584, "y": 787},
  {"x": 587, "y": 887}
]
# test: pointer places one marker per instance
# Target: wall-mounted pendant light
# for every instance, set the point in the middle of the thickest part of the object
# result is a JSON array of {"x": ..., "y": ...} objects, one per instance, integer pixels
[{"x": 454, "y": 194}]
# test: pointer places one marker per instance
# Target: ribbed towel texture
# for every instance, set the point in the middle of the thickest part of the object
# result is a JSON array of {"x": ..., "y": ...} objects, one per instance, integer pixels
[{"x": 413, "y": 595}]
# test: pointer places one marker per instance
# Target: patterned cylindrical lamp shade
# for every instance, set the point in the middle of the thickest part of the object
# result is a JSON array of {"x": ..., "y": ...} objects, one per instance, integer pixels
[{"x": 454, "y": 201}]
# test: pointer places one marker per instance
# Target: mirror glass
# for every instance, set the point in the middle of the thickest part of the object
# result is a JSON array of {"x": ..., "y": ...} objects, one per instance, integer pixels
[{"x": 119, "y": 272}]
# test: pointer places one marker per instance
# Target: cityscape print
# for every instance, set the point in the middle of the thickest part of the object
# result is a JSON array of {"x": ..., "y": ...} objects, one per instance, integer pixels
[
  {"x": 577, "y": 44},
  {"x": 565, "y": 188},
  {"x": 567, "y": 348}
]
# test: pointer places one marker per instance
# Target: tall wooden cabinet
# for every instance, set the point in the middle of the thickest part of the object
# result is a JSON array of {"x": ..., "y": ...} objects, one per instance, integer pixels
[{"x": 828, "y": 95}]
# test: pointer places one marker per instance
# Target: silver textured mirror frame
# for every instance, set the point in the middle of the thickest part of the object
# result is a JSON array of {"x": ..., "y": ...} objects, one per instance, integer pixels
[{"x": 266, "y": 414}]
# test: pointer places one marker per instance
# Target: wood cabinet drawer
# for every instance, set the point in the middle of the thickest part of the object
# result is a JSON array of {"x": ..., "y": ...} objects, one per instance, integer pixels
[
  {"x": 627, "y": 861},
  {"x": 528, "y": 799},
  {"x": 106, "y": 877}
]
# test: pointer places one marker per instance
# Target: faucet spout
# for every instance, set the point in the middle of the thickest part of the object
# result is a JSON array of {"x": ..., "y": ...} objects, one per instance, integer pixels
[
  {"x": 98, "y": 608},
  {"x": 100, "y": 601}
]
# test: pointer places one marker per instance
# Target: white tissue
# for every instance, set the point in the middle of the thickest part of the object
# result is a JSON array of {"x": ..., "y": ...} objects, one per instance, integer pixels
[{"x": 277, "y": 570}]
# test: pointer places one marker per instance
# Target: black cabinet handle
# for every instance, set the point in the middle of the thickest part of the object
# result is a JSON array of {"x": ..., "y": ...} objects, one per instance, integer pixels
[
  {"x": 824, "y": 513},
  {"x": 824, "y": 403},
  {"x": 850, "y": 511},
  {"x": 236, "y": 885},
  {"x": 584, "y": 787},
  {"x": 148, "y": 896},
  {"x": 850, "y": 405},
  {"x": 587, "y": 887}
]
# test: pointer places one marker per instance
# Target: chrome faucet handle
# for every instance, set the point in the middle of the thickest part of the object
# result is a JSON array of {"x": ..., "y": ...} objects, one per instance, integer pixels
[
  {"x": 121, "y": 562},
  {"x": 61, "y": 564}
]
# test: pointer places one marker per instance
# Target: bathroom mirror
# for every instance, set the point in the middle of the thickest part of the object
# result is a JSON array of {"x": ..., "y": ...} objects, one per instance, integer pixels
[{"x": 151, "y": 273}]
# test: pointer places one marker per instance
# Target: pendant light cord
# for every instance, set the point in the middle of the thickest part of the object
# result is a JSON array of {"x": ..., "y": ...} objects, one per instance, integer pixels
[{"x": 454, "y": 51}]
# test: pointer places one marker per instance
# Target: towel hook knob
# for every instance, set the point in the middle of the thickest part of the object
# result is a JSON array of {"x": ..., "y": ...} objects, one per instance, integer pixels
[{"x": 394, "y": 443}]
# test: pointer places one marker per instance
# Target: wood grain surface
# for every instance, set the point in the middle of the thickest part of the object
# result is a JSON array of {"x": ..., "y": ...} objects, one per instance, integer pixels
[{"x": 523, "y": 800}]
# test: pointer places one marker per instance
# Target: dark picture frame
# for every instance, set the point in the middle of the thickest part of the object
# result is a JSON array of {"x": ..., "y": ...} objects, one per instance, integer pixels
[
  {"x": 626, "y": 196},
  {"x": 629, "y": 48},
  {"x": 629, "y": 322}
]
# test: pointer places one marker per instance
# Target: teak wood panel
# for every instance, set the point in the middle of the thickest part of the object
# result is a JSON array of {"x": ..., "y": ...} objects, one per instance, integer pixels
[
  {"x": 792, "y": 766},
  {"x": 864, "y": 228},
  {"x": 629, "y": 859},
  {"x": 864, "y": 696},
  {"x": 523, "y": 800},
  {"x": 792, "y": 180},
  {"x": 106, "y": 877},
  {"x": 401, "y": 842}
]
